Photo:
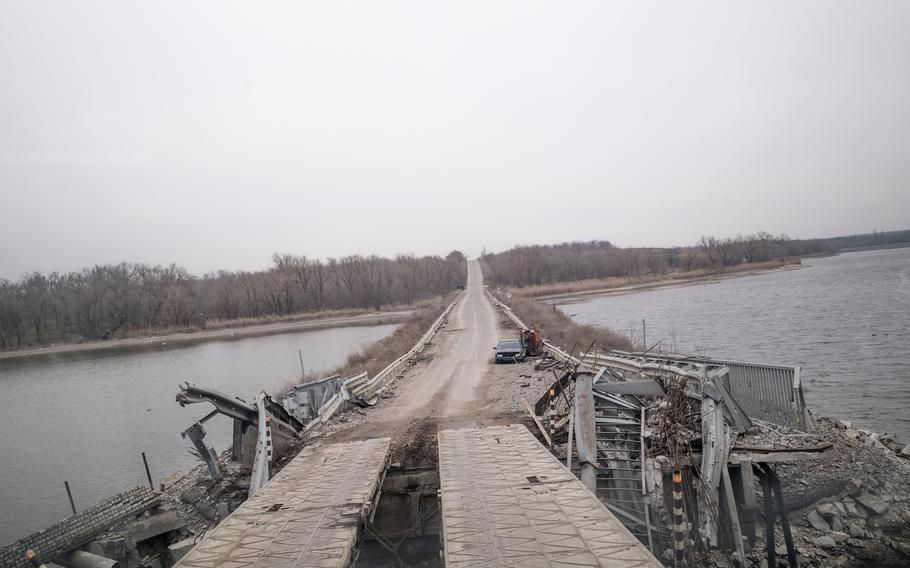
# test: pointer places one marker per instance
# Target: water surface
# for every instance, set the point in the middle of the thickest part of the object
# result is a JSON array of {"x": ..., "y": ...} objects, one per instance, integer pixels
[
  {"x": 86, "y": 417},
  {"x": 844, "y": 319}
]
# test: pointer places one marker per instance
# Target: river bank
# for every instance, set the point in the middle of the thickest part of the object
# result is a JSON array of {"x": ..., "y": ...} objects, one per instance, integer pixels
[
  {"x": 565, "y": 292},
  {"x": 175, "y": 339}
]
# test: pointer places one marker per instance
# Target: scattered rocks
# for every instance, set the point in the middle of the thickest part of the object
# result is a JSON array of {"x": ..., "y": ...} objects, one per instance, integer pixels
[
  {"x": 871, "y": 502},
  {"x": 817, "y": 522},
  {"x": 855, "y": 511},
  {"x": 191, "y": 496},
  {"x": 856, "y": 530},
  {"x": 863, "y": 518},
  {"x": 827, "y": 511},
  {"x": 839, "y": 537},
  {"x": 824, "y": 542}
]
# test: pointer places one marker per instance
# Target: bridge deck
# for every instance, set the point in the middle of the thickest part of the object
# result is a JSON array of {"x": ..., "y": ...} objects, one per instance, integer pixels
[
  {"x": 506, "y": 501},
  {"x": 307, "y": 515}
]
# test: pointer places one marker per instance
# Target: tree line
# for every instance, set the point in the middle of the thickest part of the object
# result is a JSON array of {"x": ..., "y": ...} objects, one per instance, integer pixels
[
  {"x": 530, "y": 265},
  {"x": 110, "y": 300}
]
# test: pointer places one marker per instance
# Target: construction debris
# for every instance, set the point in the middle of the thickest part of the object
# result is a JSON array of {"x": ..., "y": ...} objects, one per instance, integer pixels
[{"x": 756, "y": 490}]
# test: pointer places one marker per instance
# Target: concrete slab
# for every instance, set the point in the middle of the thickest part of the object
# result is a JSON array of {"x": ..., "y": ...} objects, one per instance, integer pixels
[
  {"x": 307, "y": 515},
  {"x": 506, "y": 501}
]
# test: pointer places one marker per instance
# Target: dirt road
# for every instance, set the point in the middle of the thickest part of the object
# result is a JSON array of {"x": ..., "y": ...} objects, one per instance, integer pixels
[{"x": 458, "y": 386}]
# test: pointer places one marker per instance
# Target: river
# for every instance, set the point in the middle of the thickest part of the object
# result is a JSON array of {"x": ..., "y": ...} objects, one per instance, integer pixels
[
  {"x": 844, "y": 319},
  {"x": 86, "y": 417}
]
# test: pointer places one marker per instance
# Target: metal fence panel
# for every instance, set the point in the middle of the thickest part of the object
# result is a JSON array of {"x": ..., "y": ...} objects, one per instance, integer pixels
[{"x": 769, "y": 392}]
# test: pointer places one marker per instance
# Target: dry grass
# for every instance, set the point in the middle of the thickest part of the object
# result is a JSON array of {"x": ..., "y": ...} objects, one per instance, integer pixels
[
  {"x": 557, "y": 288},
  {"x": 558, "y": 328},
  {"x": 381, "y": 354},
  {"x": 378, "y": 356}
]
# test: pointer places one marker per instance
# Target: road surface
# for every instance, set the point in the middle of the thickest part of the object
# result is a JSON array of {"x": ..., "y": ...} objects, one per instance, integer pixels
[
  {"x": 454, "y": 377},
  {"x": 453, "y": 389}
]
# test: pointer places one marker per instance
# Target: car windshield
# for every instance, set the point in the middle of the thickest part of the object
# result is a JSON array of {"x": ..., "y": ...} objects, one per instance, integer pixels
[{"x": 510, "y": 344}]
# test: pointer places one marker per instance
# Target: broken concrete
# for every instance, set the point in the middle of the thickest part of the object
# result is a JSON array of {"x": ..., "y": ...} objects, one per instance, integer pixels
[
  {"x": 871, "y": 502},
  {"x": 817, "y": 521}
]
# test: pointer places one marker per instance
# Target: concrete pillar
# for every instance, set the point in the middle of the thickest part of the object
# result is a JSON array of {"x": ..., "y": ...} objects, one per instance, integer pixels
[{"x": 585, "y": 430}]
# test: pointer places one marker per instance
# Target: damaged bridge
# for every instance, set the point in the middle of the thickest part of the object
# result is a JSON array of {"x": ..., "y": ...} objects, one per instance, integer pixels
[{"x": 632, "y": 459}]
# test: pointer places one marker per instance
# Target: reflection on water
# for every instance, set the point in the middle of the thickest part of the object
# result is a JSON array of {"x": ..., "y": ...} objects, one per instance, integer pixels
[
  {"x": 86, "y": 418},
  {"x": 844, "y": 319}
]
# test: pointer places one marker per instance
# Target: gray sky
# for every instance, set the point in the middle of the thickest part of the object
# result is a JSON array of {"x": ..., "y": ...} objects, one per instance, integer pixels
[{"x": 213, "y": 134}]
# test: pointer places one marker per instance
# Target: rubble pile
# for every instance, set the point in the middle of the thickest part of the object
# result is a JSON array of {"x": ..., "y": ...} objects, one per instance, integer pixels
[{"x": 853, "y": 508}]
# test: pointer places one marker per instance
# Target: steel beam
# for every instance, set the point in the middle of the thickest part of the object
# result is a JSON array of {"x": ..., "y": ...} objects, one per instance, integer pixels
[{"x": 585, "y": 430}]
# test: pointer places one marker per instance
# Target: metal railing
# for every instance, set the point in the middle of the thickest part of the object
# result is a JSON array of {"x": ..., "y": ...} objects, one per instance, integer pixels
[
  {"x": 316, "y": 402},
  {"x": 773, "y": 393},
  {"x": 369, "y": 388}
]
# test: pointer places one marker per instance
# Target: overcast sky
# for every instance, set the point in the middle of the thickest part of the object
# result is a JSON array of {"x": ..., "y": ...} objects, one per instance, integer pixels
[{"x": 213, "y": 134}]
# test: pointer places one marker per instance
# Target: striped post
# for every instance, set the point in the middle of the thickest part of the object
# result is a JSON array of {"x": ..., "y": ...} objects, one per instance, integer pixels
[
  {"x": 679, "y": 532},
  {"x": 268, "y": 438}
]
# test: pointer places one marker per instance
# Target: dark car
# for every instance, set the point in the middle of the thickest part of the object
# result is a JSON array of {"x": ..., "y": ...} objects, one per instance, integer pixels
[{"x": 509, "y": 351}]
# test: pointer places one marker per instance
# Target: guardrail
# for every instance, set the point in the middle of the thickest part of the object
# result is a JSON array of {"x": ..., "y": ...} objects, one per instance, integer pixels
[
  {"x": 552, "y": 349},
  {"x": 316, "y": 402},
  {"x": 768, "y": 392},
  {"x": 309, "y": 401},
  {"x": 368, "y": 389},
  {"x": 773, "y": 393}
]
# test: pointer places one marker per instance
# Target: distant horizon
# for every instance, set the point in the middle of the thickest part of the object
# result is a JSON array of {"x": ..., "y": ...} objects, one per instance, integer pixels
[{"x": 468, "y": 254}]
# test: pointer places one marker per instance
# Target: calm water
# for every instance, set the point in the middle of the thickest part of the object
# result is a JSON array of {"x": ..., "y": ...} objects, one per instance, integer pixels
[
  {"x": 86, "y": 419},
  {"x": 845, "y": 320}
]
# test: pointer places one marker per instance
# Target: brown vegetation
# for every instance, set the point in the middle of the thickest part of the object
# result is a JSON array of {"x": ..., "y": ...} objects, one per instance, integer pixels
[
  {"x": 615, "y": 282},
  {"x": 382, "y": 353},
  {"x": 559, "y": 329},
  {"x": 525, "y": 266},
  {"x": 120, "y": 300}
]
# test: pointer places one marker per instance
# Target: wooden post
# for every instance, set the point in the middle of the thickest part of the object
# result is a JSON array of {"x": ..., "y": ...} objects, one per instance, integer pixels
[
  {"x": 70, "y": 495},
  {"x": 147, "y": 472}
]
